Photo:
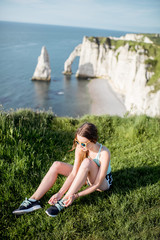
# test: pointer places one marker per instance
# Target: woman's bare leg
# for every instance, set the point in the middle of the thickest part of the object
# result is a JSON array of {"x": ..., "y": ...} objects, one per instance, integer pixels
[
  {"x": 50, "y": 178},
  {"x": 89, "y": 169}
]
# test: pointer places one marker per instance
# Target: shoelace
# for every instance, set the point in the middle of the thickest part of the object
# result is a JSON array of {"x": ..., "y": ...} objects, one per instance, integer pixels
[
  {"x": 60, "y": 205},
  {"x": 25, "y": 203}
]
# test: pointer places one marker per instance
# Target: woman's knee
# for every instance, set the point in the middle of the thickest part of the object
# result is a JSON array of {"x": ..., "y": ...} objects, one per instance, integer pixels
[
  {"x": 86, "y": 163},
  {"x": 61, "y": 168},
  {"x": 55, "y": 166}
]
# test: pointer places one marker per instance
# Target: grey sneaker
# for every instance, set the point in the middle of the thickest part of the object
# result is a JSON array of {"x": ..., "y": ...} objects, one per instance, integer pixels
[{"x": 27, "y": 206}]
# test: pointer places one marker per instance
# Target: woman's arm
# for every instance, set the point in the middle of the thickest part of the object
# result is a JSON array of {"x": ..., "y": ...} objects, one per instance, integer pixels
[
  {"x": 68, "y": 181},
  {"x": 67, "y": 184},
  {"x": 72, "y": 175}
]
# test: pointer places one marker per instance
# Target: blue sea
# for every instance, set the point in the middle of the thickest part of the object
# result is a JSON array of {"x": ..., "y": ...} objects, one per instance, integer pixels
[{"x": 20, "y": 46}]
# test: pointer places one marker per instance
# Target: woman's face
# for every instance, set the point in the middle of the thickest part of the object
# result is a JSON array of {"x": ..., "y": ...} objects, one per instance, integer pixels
[{"x": 82, "y": 143}]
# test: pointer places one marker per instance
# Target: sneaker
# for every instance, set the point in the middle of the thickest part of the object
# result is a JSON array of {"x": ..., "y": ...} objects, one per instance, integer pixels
[
  {"x": 54, "y": 210},
  {"x": 27, "y": 206}
]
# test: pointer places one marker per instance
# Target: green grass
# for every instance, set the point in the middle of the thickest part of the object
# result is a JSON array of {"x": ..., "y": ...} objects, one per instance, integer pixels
[{"x": 30, "y": 142}]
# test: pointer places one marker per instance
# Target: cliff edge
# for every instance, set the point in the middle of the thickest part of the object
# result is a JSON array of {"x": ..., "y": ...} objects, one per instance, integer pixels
[{"x": 131, "y": 64}]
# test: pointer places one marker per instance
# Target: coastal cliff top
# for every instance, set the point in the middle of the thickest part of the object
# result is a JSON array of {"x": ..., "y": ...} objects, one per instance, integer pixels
[
  {"x": 150, "y": 43},
  {"x": 140, "y": 38}
]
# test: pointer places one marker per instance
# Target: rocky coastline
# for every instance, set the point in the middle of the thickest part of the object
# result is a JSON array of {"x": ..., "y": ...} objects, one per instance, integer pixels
[{"x": 128, "y": 63}]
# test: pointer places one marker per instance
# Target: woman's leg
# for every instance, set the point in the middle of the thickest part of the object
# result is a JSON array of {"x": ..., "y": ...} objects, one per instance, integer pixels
[
  {"x": 50, "y": 178},
  {"x": 88, "y": 169}
]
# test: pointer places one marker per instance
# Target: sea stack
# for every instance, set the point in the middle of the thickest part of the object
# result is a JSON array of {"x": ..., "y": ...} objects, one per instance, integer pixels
[{"x": 43, "y": 70}]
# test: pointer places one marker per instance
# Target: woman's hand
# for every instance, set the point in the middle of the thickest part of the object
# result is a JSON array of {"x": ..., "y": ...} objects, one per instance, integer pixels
[
  {"x": 68, "y": 200},
  {"x": 55, "y": 198}
]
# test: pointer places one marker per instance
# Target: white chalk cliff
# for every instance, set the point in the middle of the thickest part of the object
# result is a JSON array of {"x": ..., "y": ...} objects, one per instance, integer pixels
[
  {"x": 133, "y": 37},
  {"x": 124, "y": 68},
  {"x": 43, "y": 70}
]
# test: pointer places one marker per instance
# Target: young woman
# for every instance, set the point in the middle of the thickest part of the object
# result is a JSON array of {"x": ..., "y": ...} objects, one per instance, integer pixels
[{"x": 92, "y": 164}]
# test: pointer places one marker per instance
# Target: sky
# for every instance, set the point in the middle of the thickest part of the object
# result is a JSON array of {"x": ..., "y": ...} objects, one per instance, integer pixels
[{"x": 123, "y": 15}]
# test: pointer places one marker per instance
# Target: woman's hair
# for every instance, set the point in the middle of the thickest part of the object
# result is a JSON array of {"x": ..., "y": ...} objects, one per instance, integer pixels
[{"x": 89, "y": 131}]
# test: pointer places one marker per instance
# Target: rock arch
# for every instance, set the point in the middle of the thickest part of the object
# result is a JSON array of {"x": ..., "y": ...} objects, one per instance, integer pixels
[{"x": 68, "y": 63}]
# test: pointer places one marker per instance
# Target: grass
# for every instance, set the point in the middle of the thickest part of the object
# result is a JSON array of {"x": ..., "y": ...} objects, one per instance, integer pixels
[{"x": 30, "y": 142}]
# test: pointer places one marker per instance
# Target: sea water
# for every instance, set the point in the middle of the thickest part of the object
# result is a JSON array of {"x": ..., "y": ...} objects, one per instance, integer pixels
[{"x": 20, "y": 46}]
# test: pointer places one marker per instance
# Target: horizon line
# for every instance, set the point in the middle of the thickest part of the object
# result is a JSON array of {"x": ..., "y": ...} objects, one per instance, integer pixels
[{"x": 50, "y": 24}]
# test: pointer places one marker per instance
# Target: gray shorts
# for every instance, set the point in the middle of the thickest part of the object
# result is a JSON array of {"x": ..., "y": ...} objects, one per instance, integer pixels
[{"x": 109, "y": 179}]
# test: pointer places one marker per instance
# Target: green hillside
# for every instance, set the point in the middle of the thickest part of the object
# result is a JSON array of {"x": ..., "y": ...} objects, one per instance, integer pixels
[{"x": 30, "y": 142}]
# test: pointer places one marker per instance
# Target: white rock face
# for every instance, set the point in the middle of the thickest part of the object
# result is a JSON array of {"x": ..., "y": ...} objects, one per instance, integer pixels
[
  {"x": 134, "y": 37},
  {"x": 88, "y": 63},
  {"x": 43, "y": 70},
  {"x": 126, "y": 71}
]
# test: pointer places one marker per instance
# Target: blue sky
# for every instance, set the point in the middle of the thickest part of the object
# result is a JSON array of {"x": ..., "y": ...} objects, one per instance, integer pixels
[{"x": 127, "y": 15}]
